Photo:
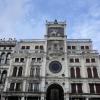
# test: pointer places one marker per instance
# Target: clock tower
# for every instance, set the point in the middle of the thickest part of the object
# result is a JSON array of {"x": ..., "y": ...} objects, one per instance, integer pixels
[{"x": 56, "y": 62}]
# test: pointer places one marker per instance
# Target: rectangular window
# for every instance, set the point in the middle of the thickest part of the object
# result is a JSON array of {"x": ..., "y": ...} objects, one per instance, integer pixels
[
  {"x": 36, "y": 47},
  {"x": 87, "y": 60},
  {"x": 18, "y": 87},
  {"x": 73, "y": 47},
  {"x": 21, "y": 59},
  {"x": 71, "y": 60},
  {"x": 76, "y": 60},
  {"x": 61, "y": 48},
  {"x": 41, "y": 47},
  {"x": 91, "y": 88},
  {"x": 12, "y": 86},
  {"x": 36, "y": 87},
  {"x": 23, "y": 47},
  {"x": 33, "y": 59},
  {"x": 68, "y": 47},
  {"x": 16, "y": 59},
  {"x": 38, "y": 59},
  {"x": 31, "y": 87},
  {"x": 82, "y": 47},
  {"x": 86, "y": 47},
  {"x": 27, "y": 47},
  {"x": 93, "y": 60}
]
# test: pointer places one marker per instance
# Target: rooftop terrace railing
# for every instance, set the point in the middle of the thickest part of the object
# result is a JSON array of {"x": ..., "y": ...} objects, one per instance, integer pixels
[{"x": 79, "y": 40}]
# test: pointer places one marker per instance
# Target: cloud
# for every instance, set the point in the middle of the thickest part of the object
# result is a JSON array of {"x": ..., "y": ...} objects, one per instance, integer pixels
[
  {"x": 13, "y": 13},
  {"x": 88, "y": 27}
]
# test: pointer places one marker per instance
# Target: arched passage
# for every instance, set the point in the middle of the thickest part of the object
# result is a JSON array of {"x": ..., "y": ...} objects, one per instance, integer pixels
[{"x": 55, "y": 92}]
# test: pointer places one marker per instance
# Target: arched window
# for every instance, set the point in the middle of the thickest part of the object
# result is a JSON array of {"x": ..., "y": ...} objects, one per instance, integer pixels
[
  {"x": 12, "y": 86},
  {"x": 78, "y": 73},
  {"x": 72, "y": 72},
  {"x": 89, "y": 72},
  {"x": 3, "y": 58},
  {"x": 91, "y": 85},
  {"x": 97, "y": 85},
  {"x": 20, "y": 71},
  {"x": 95, "y": 73},
  {"x": 3, "y": 76},
  {"x": 73, "y": 88},
  {"x": 8, "y": 58},
  {"x": 14, "y": 71},
  {"x": 32, "y": 72},
  {"x": 79, "y": 87},
  {"x": 37, "y": 72}
]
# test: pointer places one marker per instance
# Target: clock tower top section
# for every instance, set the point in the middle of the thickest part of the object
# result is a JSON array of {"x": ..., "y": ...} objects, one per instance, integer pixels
[{"x": 55, "y": 29}]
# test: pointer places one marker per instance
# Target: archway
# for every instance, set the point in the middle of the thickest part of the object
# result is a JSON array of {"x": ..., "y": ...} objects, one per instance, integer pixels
[{"x": 55, "y": 92}]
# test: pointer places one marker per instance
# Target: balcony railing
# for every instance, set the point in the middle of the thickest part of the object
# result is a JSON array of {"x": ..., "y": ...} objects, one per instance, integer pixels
[
  {"x": 29, "y": 51},
  {"x": 55, "y": 51},
  {"x": 82, "y": 52},
  {"x": 79, "y": 40},
  {"x": 32, "y": 40},
  {"x": 35, "y": 91},
  {"x": 13, "y": 90}
]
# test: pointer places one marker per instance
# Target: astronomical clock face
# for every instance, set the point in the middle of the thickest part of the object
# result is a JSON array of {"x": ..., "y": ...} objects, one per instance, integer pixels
[
  {"x": 56, "y": 30},
  {"x": 55, "y": 66}
]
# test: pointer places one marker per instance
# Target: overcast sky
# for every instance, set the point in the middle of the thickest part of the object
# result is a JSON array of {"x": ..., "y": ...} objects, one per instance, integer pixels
[{"x": 25, "y": 19}]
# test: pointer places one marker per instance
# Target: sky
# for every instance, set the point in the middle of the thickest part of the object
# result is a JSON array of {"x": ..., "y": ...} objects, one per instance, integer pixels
[{"x": 25, "y": 19}]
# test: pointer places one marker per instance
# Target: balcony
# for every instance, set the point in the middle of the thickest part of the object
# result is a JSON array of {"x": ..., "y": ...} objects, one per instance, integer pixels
[
  {"x": 35, "y": 91},
  {"x": 36, "y": 63},
  {"x": 13, "y": 90},
  {"x": 29, "y": 51},
  {"x": 79, "y": 40},
  {"x": 32, "y": 40},
  {"x": 55, "y": 52},
  {"x": 82, "y": 52},
  {"x": 55, "y": 37},
  {"x": 18, "y": 63}
]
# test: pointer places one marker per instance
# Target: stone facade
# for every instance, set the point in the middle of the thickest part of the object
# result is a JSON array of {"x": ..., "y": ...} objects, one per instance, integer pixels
[{"x": 51, "y": 68}]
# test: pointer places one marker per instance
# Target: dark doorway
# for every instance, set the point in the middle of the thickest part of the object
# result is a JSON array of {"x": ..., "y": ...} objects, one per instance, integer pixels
[
  {"x": 77, "y": 99},
  {"x": 13, "y": 98},
  {"x": 33, "y": 98},
  {"x": 55, "y": 92},
  {"x": 94, "y": 99}
]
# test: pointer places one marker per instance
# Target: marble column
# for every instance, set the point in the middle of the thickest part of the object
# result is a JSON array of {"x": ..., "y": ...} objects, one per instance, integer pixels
[
  {"x": 87, "y": 98},
  {"x": 42, "y": 98},
  {"x": 22, "y": 98}
]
